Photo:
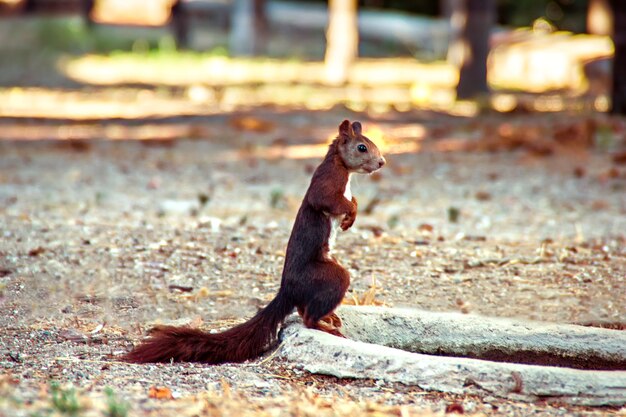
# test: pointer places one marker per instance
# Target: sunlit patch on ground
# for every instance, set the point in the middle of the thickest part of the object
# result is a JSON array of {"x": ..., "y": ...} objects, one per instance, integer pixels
[
  {"x": 127, "y": 103},
  {"x": 528, "y": 63},
  {"x": 133, "y": 12},
  {"x": 15, "y": 131},
  {"x": 540, "y": 62},
  {"x": 524, "y": 61}
]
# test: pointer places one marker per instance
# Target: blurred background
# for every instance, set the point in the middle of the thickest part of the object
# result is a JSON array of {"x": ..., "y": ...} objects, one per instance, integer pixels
[{"x": 86, "y": 59}]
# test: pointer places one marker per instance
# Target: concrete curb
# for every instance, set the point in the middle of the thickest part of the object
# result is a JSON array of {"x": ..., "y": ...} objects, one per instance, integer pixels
[{"x": 318, "y": 352}]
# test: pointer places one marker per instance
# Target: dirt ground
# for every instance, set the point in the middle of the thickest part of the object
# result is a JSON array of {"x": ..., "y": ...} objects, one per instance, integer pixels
[{"x": 101, "y": 239}]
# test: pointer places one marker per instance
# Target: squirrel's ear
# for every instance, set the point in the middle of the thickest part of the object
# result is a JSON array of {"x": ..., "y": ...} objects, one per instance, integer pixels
[
  {"x": 356, "y": 127},
  {"x": 345, "y": 128}
]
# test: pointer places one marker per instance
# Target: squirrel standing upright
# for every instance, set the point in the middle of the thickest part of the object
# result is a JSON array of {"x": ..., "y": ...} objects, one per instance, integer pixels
[{"x": 312, "y": 281}]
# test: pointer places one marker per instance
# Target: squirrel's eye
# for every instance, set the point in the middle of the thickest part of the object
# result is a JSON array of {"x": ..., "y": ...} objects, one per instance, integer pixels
[{"x": 362, "y": 148}]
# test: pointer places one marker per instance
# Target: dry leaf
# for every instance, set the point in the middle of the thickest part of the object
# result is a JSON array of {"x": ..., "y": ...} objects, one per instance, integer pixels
[
  {"x": 36, "y": 251},
  {"x": 160, "y": 393},
  {"x": 482, "y": 195},
  {"x": 425, "y": 228},
  {"x": 579, "y": 172},
  {"x": 619, "y": 158},
  {"x": 251, "y": 124},
  {"x": 455, "y": 407},
  {"x": 598, "y": 205},
  {"x": 204, "y": 292},
  {"x": 367, "y": 298}
]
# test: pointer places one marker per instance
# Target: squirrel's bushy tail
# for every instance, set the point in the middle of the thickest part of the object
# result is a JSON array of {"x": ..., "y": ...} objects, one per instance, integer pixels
[{"x": 242, "y": 342}]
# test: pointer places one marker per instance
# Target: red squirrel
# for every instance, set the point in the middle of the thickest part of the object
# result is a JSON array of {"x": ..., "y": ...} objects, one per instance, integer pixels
[{"x": 313, "y": 282}]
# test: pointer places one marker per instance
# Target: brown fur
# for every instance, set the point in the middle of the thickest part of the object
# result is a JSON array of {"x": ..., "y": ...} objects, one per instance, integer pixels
[{"x": 312, "y": 281}]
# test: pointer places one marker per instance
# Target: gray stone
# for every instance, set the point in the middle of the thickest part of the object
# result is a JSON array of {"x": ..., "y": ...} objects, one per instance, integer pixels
[
  {"x": 318, "y": 352},
  {"x": 500, "y": 339}
]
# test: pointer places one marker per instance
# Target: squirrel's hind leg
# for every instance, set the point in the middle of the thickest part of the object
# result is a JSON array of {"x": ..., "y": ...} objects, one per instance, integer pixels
[
  {"x": 328, "y": 328},
  {"x": 327, "y": 287},
  {"x": 331, "y": 319},
  {"x": 321, "y": 325}
]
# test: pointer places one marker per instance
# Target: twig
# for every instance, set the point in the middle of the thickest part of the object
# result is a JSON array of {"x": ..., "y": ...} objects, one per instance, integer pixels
[
  {"x": 271, "y": 356},
  {"x": 91, "y": 361},
  {"x": 180, "y": 288}
]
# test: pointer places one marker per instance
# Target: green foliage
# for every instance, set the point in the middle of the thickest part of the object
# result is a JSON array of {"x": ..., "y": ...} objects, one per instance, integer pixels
[
  {"x": 453, "y": 214},
  {"x": 60, "y": 34},
  {"x": 203, "y": 199},
  {"x": 71, "y": 34},
  {"x": 564, "y": 14},
  {"x": 167, "y": 43},
  {"x": 393, "y": 221},
  {"x": 604, "y": 138},
  {"x": 100, "y": 197},
  {"x": 64, "y": 401},
  {"x": 115, "y": 407},
  {"x": 277, "y": 198}
]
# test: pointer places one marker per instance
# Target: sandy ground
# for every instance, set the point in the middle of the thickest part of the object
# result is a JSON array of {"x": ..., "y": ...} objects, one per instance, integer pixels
[{"x": 99, "y": 238}]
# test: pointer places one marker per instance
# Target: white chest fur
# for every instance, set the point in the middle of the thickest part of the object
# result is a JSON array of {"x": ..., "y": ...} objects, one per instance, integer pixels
[
  {"x": 336, "y": 220},
  {"x": 348, "y": 192}
]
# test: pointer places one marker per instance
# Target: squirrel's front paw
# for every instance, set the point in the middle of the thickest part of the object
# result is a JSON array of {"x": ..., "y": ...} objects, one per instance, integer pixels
[{"x": 347, "y": 222}]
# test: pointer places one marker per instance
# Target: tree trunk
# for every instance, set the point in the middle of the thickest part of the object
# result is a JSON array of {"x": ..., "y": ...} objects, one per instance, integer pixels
[
  {"x": 342, "y": 39},
  {"x": 248, "y": 32},
  {"x": 475, "y": 41},
  {"x": 86, "y": 8},
  {"x": 261, "y": 26},
  {"x": 180, "y": 25},
  {"x": 618, "y": 96}
]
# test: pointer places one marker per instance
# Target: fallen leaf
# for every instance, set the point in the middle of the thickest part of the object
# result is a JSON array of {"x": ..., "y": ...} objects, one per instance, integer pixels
[
  {"x": 425, "y": 228},
  {"x": 611, "y": 173},
  {"x": 599, "y": 205},
  {"x": 519, "y": 383},
  {"x": 154, "y": 183},
  {"x": 376, "y": 230},
  {"x": 251, "y": 124},
  {"x": 160, "y": 393},
  {"x": 369, "y": 207},
  {"x": 620, "y": 158},
  {"x": 455, "y": 408},
  {"x": 36, "y": 251},
  {"x": 577, "y": 134},
  {"x": 482, "y": 195},
  {"x": 579, "y": 172}
]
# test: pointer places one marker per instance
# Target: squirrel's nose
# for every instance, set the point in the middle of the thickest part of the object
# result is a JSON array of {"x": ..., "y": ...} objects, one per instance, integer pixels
[{"x": 381, "y": 162}]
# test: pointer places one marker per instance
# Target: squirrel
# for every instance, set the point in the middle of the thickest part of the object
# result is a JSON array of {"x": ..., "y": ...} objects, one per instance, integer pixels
[{"x": 313, "y": 282}]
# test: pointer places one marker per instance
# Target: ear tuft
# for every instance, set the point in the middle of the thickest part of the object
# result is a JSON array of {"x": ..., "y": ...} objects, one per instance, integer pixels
[
  {"x": 345, "y": 128},
  {"x": 356, "y": 127}
]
